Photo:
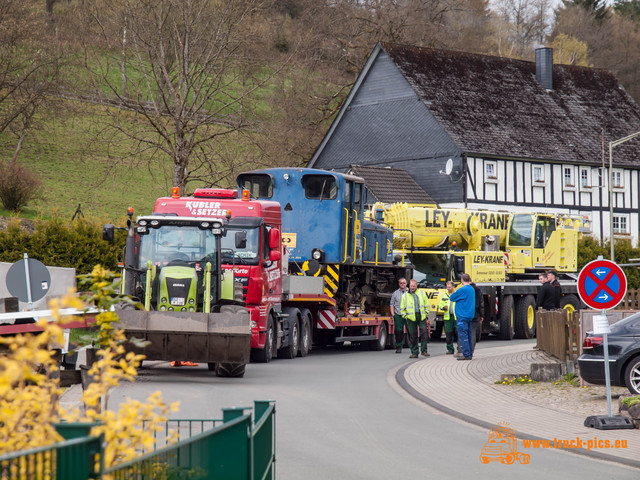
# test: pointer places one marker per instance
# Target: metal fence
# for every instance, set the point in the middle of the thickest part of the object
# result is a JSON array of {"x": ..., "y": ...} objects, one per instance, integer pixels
[
  {"x": 69, "y": 460},
  {"x": 240, "y": 446}
]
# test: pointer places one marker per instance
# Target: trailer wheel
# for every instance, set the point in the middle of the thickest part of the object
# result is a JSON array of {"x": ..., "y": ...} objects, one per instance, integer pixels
[
  {"x": 506, "y": 318},
  {"x": 291, "y": 350},
  {"x": 305, "y": 334},
  {"x": 211, "y": 366},
  {"x": 525, "y": 321},
  {"x": 264, "y": 355},
  {"x": 230, "y": 370},
  {"x": 379, "y": 344}
]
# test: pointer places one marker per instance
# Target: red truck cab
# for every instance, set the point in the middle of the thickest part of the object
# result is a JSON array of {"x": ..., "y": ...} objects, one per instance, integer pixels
[{"x": 251, "y": 248}]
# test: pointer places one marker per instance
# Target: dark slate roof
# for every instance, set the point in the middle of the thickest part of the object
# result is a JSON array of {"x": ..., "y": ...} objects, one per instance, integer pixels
[
  {"x": 390, "y": 185},
  {"x": 495, "y": 106}
]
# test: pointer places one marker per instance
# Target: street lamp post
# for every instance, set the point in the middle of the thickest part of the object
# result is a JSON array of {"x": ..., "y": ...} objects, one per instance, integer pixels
[{"x": 615, "y": 143}]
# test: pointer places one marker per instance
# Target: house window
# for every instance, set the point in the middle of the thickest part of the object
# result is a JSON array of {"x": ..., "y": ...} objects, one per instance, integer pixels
[
  {"x": 490, "y": 173},
  {"x": 616, "y": 179},
  {"x": 538, "y": 174},
  {"x": 567, "y": 177},
  {"x": 620, "y": 224},
  {"x": 585, "y": 178}
]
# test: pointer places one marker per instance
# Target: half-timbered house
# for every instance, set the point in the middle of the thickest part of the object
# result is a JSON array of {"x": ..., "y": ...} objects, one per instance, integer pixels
[{"x": 486, "y": 132}]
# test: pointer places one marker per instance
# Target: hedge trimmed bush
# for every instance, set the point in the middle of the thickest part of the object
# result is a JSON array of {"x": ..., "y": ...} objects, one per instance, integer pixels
[{"x": 61, "y": 243}]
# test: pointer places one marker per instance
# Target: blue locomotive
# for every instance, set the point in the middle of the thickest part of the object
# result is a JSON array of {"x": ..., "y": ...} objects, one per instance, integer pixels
[{"x": 324, "y": 229}]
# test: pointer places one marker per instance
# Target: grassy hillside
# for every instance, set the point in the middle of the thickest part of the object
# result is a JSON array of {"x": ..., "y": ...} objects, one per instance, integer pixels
[{"x": 79, "y": 165}]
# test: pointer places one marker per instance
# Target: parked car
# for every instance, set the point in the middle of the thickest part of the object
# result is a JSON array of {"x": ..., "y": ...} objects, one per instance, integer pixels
[{"x": 624, "y": 355}]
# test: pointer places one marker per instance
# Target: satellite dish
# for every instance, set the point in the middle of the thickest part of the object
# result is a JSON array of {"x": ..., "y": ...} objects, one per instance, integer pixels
[{"x": 448, "y": 167}]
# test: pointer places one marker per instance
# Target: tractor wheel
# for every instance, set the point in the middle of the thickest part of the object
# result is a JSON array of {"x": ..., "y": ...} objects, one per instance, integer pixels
[{"x": 230, "y": 370}]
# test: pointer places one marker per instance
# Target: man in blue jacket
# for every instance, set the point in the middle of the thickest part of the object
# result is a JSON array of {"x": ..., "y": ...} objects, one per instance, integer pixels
[{"x": 465, "y": 298}]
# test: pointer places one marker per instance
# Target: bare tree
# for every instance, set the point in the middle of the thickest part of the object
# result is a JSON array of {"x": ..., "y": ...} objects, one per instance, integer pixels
[
  {"x": 469, "y": 27},
  {"x": 183, "y": 68},
  {"x": 613, "y": 41},
  {"x": 28, "y": 69},
  {"x": 521, "y": 26}
]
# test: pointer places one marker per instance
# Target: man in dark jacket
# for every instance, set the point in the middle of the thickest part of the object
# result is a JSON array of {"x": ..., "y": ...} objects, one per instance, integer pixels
[
  {"x": 546, "y": 294},
  {"x": 557, "y": 289},
  {"x": 478, "y": 317}
]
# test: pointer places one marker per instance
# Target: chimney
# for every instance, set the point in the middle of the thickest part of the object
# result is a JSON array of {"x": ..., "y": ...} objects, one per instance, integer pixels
[{"x": 544, "y": 67}]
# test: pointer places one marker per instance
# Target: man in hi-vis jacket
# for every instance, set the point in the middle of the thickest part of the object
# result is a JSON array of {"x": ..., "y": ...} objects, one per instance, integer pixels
[{"x": 414, "y": 309}]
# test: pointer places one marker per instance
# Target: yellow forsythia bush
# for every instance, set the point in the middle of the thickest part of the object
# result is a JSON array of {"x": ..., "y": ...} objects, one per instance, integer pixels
[{"x": 29, "y": 394}]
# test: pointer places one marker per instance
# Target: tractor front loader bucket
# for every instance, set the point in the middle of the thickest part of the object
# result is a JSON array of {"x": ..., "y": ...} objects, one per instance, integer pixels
[{"x": 190, "y": 336}]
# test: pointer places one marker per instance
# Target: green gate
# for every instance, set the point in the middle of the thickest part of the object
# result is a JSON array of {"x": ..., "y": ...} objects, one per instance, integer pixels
[{"x": 240, "y": 446}]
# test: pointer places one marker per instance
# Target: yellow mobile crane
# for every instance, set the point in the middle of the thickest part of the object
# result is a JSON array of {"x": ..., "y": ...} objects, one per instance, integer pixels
[{"x": 502, "y": 251}]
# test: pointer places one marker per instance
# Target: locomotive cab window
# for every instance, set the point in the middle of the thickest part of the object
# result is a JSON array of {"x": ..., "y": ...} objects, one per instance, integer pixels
[
  {"x": 357, "y": 196},
  {"x": 260, "y": 185},
  {"x": 320, "y": 187}
]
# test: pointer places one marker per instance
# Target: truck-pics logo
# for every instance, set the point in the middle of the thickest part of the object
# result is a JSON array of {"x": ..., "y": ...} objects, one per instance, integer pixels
[{"x": 502, "y": 446}]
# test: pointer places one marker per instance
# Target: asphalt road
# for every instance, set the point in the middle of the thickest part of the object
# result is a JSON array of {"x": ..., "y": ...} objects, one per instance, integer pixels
[{"x": 340, "y": 415}]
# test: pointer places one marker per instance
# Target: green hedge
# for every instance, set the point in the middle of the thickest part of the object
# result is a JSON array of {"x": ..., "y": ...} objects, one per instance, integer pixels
[{"x": 61, "y": 243}]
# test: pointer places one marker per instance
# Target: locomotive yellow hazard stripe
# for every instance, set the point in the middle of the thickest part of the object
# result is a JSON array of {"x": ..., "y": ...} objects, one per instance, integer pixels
[
  {"x": 333, "y": 271},
  {"x": 331, "y": 279},
  {"x": 328, "y": 281}
]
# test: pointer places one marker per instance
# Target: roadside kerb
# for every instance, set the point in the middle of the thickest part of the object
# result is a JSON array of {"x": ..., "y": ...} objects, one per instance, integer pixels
[{"x": 465, "y": 390}]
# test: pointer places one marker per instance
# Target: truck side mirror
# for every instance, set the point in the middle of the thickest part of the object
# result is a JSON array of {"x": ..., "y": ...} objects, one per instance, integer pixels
[
  {"x": 274, "y": 255},
  {"x": 241, "y": 239},
  {"x": 274, "y": 238},
  {"x": 107, "y": 232},
  {"x": 459, "y": 265}
]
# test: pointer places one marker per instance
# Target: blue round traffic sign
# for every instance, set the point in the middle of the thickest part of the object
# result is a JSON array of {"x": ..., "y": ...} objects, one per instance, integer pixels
[{"x": 602, "y": 284}]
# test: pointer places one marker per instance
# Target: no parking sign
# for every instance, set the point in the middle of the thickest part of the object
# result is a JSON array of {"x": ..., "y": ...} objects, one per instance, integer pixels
[{"x": 602, "y": 284}]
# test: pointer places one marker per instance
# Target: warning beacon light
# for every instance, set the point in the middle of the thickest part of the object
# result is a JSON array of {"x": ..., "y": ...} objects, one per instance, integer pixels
[
  {"x": 175, "y": 192},
  {"x": 246, "y": 195}
]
